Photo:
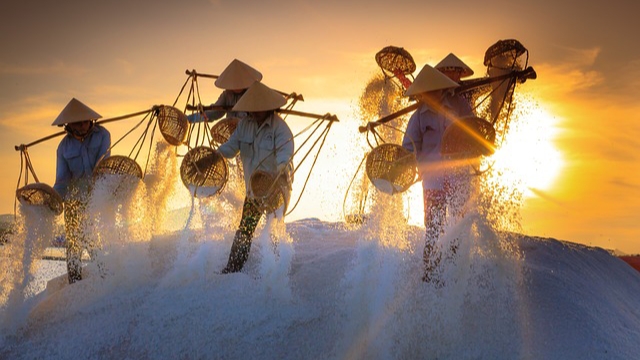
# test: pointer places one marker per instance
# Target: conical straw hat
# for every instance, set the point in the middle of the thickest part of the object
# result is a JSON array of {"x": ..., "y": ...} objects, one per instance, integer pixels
[
  {"x": 430, "y": 79},
  {"x": 237, "y": 75},
  {"x": 75, "y": 111},
  {"x": 453, "y": 62},
  {"x": 259, "y": 97}
]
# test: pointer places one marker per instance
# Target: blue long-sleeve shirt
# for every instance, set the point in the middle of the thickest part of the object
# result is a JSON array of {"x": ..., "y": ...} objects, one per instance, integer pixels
[{"x": 76, "y": 159}]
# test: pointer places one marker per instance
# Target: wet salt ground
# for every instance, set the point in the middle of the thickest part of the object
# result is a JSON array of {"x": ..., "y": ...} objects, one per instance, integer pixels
[{"x": 344, "y": 296}]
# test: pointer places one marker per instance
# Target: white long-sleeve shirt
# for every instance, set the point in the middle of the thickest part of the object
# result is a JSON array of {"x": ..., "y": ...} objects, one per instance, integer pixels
[{"x": 262, "y": 148}]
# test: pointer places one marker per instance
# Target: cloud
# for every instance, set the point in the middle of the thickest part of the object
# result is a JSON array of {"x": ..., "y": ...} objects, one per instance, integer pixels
[
  {"x": 547, "y": 196},
  {"x": 621, "y": 145},
  {"x": 579, "y": 57},
  {"x": 631, "y": 81},
  {"x": 30, "y": 120},
  {"x": 591, "y": 74},
  {"x": 571, "y": 70},
  {"x": 35, "y": 113},
  {"x": 44, "y": 69},
  {"x": 566, "y": 78},
  {"x": 620, "y": 182},
  {"x": 125, "y": 66}
]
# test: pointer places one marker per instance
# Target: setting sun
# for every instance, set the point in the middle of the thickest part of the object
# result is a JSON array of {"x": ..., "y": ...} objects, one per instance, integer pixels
[{"x": 527, "y": 158}]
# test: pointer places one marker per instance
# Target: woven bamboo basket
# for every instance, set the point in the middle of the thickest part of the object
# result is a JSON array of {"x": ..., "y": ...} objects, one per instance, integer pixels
[
  {"x": 222, "y": 130},
  {"x": 467, "y": 138},
  {"x": 395, "y": 59},
  {"x": 173, "y": 124},
  {"x": 40, "y": 194},
  {"x": 506, "y": 54},
  {"x": 268, "y": 193},
  {"x": 118, "y": 165},
  {"x": 391, "y": 168},
  {"x": 204, "y": 171}
]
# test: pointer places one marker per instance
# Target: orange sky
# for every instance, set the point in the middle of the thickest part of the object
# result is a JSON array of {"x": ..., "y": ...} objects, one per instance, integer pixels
[{"x": 124, "y": 56}]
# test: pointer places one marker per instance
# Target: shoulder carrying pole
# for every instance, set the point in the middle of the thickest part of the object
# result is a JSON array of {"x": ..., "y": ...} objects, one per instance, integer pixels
[
  {"x": 523, "y": 75},
  {"x": 23, "y": 147},
  {"x": 326, "y": 116}
]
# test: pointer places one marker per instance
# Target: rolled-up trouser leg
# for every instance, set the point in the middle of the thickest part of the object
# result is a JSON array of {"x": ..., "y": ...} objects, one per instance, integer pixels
[
  {"x": 73, "y": 213},
  {"x": 242, "y": 241}
]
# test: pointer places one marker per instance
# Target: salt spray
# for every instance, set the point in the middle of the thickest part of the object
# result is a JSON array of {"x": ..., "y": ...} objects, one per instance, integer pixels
[{"x": 474, "y": 311}]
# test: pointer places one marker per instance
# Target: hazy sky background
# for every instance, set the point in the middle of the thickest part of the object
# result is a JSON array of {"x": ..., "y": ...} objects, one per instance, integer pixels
[{"x": 120, "y": 57}]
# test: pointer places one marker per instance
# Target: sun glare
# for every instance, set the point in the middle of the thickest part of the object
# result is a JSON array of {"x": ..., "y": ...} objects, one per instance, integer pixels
[{"x": 527, "y": 157}]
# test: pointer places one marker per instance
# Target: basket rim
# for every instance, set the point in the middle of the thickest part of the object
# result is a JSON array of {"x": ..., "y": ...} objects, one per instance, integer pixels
[
  {"x": 182, "y": 122},
  {"x": 406, "y": 155},
  {"x": 188, "y": 162},
  {"x": 265, "y": 201},
  {"x": 113, "y": 158},
  {"x": 57, "y": 206}
]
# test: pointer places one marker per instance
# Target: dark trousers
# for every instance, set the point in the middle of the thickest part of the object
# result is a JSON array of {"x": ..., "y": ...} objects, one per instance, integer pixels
[
  {"x": 75, "y": 226},
  {"x": 435, "y": 211},
  {"x": 242, "y": 241},
  {"x": 74, "y": 220}
]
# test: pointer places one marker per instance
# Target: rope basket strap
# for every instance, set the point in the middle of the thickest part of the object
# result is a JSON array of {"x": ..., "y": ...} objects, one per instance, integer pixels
[
  {"x": 391, "y": 168},
  {"x": 204, "y": 171},
  {"x": 468, "y": 137},
  {"x": 173, "y": 124},
  {"x": 269, "y": 196},
  {"x": 395, "y": 60},
  {"x": 222, "y": 130},
  {"x": 40, "y": 194},
  {"x": 118, "y": 165}
]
